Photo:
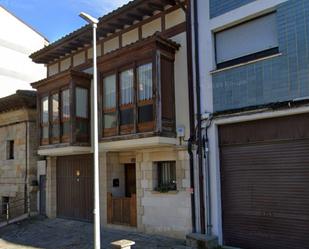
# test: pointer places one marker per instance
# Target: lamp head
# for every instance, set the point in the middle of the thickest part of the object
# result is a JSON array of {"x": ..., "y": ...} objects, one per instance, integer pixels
[{"x": 88, "y": 18}]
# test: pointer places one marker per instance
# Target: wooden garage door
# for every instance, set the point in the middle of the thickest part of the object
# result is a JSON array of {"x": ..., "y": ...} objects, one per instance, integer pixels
[
  {"x": 265, "y": 183},
  {"x": 75, "y": 187}
]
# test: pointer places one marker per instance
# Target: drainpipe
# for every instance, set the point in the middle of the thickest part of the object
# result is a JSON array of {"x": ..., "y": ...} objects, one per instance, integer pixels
[
  {"x": 207, "y": 178},
  {"x": 191, "y": 111},
  {"x": 198, "y": 115}
]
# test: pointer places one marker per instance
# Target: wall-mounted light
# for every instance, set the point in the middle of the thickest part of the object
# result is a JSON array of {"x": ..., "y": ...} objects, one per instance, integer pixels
[{"x": 77, "y": 173}]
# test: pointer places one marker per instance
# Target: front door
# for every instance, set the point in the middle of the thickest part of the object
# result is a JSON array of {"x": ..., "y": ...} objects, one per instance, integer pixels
[
  {"x": 75, "y": 187},
  {"x": 130, "y": 179}
]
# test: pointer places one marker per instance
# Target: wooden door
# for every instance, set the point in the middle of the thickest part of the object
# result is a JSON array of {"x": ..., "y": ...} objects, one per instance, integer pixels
[
  {"x": 130, "y": 179},
  {"x": 75, "y": 187}
]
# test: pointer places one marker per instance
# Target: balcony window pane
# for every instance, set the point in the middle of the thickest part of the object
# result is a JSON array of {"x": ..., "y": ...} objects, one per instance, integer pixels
[
  {"x": 81, "y": 102},
  {"x": 126, "y": 87},
  {"x": 145, "y": 113},
  {"x": 110, "y": 120},
  {"x": 45, "y": 132},
  {"x": 55, "y": 106},
  {"x": 126, "y": 116},
  {"x": 45, "y": 112},
  {"x": 65, "y": 104},
  {"x": 109, "y": 89},
  {"x": 144, "y": 77}
]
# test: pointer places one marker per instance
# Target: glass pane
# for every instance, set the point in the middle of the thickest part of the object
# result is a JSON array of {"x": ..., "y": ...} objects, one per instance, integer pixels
[
  {"x": 45, "y": 132},
  {"x": 144, "y": 77},
  {"x": 109, "y": 89},
  {"x": 55, "y": 130},
  {"x": 145, "y": 113},
  {"x": 81, "y": 102},
  {"x": 66, "y": 129},
  {"x": 126, "y": 116},
  {"x": 167, "y": 175},
  {"x": 65, "y": 103},
  {"x": 55, "y": 106},
  {"x": 45, "y": 110},
  {"x": 110, "y": 120},
  {"x": 82, "y": 127},
  {"x": 126, "y": 87}
]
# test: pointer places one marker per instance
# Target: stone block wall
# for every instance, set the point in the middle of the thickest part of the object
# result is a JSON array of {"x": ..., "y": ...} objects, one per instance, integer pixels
[{"x": 17, "y": 126}]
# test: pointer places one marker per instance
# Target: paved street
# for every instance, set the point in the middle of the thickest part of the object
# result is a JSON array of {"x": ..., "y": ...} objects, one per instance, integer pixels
[{"x": 43, "y": 233}]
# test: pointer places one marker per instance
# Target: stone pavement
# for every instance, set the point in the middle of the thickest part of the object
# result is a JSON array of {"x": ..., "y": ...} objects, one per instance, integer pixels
[{"x": 42, "y": 233}]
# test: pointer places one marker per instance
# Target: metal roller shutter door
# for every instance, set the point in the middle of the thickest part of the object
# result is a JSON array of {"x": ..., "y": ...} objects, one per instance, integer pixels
[{"x": 265, "y": 183}]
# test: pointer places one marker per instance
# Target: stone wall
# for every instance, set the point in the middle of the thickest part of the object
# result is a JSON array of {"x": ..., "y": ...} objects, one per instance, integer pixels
[
  {"x": 166, "y": 214},
  {"x": 19, "y": 127}
]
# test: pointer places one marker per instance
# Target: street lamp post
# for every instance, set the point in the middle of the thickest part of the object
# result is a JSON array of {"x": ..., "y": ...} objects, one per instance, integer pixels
[{"x": 97, "y": 236}]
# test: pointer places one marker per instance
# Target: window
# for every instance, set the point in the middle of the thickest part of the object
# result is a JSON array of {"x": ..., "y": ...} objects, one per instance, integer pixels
[
  {"x": 45, "y": 120},
  {"x": 82, "y": 116},
  {"x": 109, "y": 105},
  {"x": 5, "y": 201},
  {"x": 145, "y": 94},
  {"x": 248, "y": 41},
  {"x": 65, "y": 111},
  {"x": 10, "y": 150},
  {"x": 55, "y": 118},
  {"x": 144, "y": 77},
  {"x": 125, "y": 104},
  {"x": 166, "y": 176},
  {"x": 126, "y": 98}
]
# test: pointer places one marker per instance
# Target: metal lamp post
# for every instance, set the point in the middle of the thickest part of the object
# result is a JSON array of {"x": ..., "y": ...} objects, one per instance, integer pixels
[{"x": 97, "y": 235}]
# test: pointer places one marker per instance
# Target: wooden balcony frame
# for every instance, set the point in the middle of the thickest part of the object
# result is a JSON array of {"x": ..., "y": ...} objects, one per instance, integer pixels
[
  {"x": 68, "y": 80},
  {"x": 152, "y": 50}
]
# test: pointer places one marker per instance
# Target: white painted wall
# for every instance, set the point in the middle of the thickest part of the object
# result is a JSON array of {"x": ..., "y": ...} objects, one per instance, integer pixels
[
  {"x": 207, "y": 63},
  {"x": 17, "y": 42}
]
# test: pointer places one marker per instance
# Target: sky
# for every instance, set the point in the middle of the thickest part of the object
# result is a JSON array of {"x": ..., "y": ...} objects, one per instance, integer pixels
[{"x": 56, "y": 18}]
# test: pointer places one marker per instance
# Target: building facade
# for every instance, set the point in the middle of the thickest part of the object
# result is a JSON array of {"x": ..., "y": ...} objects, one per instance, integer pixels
[
  {"x": 254, "y": 78},
  {"x": 143, "y": 99},
  {"x": 18, "y": 153},
  {"x": 16, "y": 68}
]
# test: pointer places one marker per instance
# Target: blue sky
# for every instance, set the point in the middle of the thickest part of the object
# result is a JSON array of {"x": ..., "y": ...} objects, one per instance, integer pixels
[{"x": 56, "y": 18}]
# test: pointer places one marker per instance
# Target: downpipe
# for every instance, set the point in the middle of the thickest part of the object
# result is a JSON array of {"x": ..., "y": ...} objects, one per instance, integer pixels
[{"x": 207, "y": 177}]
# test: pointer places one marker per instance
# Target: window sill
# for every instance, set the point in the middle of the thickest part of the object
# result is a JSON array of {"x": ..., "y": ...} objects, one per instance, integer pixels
[
  {"x": 171, "y": 192},
  {"x": 245, "y": 63}
]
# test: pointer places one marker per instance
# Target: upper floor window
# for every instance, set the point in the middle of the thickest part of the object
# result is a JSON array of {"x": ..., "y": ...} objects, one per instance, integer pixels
[
  {"x": 82, "y": 113},
  {"x": 121, "y": 111},
  {"x": 45, "y": 120},
  {"x": 66, "y": 113},
  {"x": 246, "y": 42},
  {"x": 55, "y": 118},
  {"x": 109, "y": 104}
]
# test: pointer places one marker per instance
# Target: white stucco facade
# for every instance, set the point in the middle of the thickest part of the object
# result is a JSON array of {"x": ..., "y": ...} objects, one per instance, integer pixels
[
  {"x": 17, "y": 42},
  {"x": 207, "y": 64}
]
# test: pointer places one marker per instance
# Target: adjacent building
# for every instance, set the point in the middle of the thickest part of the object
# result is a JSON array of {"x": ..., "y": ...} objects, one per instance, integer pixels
[
  {"x": 143, "y": 100},
  {"x": 18, "y": 158},
  {"x": 17, "y": 42},
  {"x": 254, "y": 81}
]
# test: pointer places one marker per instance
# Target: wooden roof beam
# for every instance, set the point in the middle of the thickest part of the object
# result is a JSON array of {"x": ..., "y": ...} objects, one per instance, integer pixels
[
  {"x": 155, "y": 6},
  {"x": 135, "y": 16},
  {"x": 145, "y": 12}
]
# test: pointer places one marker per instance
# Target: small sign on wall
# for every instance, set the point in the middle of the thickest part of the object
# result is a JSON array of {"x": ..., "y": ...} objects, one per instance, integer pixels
[{"x": 116, "y": 183}]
